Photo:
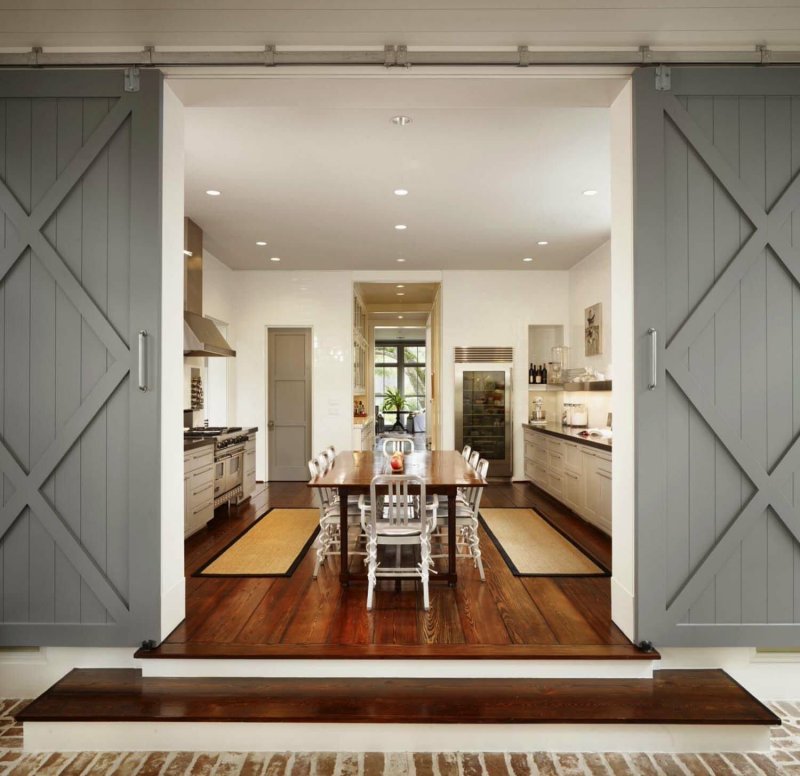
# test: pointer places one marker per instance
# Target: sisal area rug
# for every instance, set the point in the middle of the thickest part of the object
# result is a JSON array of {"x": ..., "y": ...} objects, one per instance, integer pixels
[
  {"x": 533, "y": 548},
  {"x": 273, "y": 546}
]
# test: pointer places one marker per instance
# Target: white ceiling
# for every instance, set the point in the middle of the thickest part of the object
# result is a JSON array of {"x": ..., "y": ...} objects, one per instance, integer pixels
[
  {"x": 377, "y": 22},
  {"x": 374, "y": 295},
  {"x": 316, "y": 183},
  {"x": 400, "y": 332}
]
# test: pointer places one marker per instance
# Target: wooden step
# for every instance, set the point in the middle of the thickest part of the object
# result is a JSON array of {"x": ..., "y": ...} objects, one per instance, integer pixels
[{"x": 676, "y": 697}]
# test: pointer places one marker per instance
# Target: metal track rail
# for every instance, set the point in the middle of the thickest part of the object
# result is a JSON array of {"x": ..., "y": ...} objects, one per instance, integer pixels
[{"x": 395, "y": 56}]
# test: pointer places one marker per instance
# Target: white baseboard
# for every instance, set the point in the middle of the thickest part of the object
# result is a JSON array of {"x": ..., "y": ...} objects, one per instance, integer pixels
[
  {"x": 173, "y": 607},
  {"x": 404, "y": 669},
  {"x": 340, "y": 737},
  {"x": 623, "y": 609}
]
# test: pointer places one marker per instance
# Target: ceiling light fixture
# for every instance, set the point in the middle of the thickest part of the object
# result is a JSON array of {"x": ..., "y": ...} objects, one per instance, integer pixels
[
  {"x": 401, "y": 121},
  {"x": 187, "y": 253},
  {"x": 275, "y": 258},
  {"x": 590, "y": 192},
  {"x": 401, "y": 192},
  {"x": 401, "y": 261},
  {"x": 399, "y": 285},
  {"x": 542, "y": 242},
  {"x": 399, "y": 317},
  {"x": 400, "y": 227},
  {"x": 260, "y": 242},
  {"x": 213, "y": 192},
  {"x": 401, "y": 293},
  {"x": 527, "y": 258}
]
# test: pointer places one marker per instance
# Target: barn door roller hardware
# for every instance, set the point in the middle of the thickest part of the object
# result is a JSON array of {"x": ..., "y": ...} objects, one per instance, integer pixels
[{"x": 395, "y": 55}]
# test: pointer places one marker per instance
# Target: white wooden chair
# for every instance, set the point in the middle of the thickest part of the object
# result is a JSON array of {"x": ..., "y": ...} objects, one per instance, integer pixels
[
  {"x": 467, "y": 540},
  {"x": 397, "y": 444},
  {"x": 329, "y": 538},
  {"x": 474, "y": 457},
  {"x": 465, "y": 452},
  {"x": 394, "y": 519}
]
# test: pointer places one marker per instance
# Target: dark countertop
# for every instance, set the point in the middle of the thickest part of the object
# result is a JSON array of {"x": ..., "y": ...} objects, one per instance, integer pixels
[
  {"x": 573, "y": 434},
  {"x": 192, "y": 444}
]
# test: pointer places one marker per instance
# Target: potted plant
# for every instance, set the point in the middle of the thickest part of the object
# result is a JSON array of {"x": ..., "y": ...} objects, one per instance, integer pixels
[{"x": 393, "y": 402}]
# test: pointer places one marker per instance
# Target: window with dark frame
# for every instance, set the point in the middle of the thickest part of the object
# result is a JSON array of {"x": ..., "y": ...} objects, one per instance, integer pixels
[{"x": 400, "y": 366}]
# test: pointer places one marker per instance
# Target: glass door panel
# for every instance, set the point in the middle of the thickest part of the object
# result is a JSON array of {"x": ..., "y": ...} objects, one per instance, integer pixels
[{"x": 484, "y": 412}]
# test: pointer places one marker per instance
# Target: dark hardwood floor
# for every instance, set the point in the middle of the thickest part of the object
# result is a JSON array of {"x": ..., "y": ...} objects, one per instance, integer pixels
[{"x": 506, "y": 616}]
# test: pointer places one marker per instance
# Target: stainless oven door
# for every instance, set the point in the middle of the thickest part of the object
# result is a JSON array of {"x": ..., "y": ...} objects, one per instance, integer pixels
[
  {"x": 233, "y": 471},
  {"x": 219, "y": 476}
]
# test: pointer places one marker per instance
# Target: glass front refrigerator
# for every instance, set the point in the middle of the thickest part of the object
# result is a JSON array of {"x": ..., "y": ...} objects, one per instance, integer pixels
[{"x": 483, "y": 413}]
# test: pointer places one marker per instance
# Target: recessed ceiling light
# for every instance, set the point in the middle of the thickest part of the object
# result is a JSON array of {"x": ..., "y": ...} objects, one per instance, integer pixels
[
  {"x": 542, "y": 242},
  {"x": 275, "y": 258},
  {"x": 260, "y": 242},
  {"x": 213, "y": 192},
  {"x": 187, "y": 253},
  {"x": 401, "y": 261},
  {"x": 527, "y": 258},
  {"x": 401, "y": 121},
  {"x": 401, "y": 192},
  {"x": 399, "y": 317},
  {"x": 399, "y": 285},
  {"x": 401, "y": 293},
  {"x": 400, "y": 227},
  {"x": 589, "y": 192}
]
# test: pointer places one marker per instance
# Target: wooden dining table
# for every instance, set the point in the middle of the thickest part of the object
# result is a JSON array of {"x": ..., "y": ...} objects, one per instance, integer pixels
[{"x": 444, "y": 472}]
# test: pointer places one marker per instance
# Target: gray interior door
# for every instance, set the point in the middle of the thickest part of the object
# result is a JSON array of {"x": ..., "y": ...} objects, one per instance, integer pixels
[
  {"x": 80, "y": 269},
  {"x": 717, "y": 279},
  {"x": 289, "y": 403}
]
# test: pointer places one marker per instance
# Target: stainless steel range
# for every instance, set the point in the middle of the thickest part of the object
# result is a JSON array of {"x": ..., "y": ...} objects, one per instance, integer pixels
[{"x": 229, "y": 444}]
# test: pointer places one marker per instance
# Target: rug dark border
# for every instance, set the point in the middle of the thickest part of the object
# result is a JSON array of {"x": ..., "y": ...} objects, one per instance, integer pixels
[
  {"x": 300, "y": 555},
  {"x": 510, "y": 563}
]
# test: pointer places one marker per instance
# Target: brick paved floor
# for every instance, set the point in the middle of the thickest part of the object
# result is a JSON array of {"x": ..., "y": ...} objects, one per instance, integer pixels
[{"x": 783, "y": 759}]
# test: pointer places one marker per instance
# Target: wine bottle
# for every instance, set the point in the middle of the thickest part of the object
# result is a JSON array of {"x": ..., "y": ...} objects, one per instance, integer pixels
[
  {"x": 544, "y": 374},
  {"x": 530, "y": 375},
  {"x": 537, "y": 375}
]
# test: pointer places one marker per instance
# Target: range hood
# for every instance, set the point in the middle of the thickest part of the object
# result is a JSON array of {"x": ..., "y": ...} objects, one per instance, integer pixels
[{"x": 201, "y": 337}]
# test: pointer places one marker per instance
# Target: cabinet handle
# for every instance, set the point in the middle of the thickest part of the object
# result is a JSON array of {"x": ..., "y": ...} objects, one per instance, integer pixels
[
  {"x": 603, "y": 474},
  {"x": 653, "y": 359},
  {"x": 142, "y": 360}
]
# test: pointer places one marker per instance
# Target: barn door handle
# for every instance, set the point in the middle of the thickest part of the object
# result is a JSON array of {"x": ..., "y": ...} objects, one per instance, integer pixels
[
  {"x": 142, "y": 360},
  {"x": 653, "y": 334}
]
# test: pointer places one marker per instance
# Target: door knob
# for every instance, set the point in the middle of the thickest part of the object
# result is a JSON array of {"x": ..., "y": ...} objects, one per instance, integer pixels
[{"x": 271, "y": 425}]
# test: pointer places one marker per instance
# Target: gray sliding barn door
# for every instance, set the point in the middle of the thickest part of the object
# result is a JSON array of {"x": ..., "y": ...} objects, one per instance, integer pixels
[
  {"x": 80, "y": 276},
  {"x": 717, "y": 276}
]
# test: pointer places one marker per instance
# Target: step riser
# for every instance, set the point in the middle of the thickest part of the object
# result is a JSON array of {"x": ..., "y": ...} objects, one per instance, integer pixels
[
  {"x": 358, "y": 737},
  {"x": 406, "y": 669}
]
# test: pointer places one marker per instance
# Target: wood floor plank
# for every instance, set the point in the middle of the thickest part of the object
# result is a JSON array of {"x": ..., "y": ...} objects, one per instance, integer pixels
[
  {"x": 564, "y": 618},
  {"x": 592, "y": 596},
  {"x": 441, "y": 624},
  {"x": 670, "y": 697}
]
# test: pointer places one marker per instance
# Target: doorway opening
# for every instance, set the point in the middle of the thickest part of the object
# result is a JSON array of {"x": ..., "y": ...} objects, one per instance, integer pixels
[{"x": 494, "y": 264}]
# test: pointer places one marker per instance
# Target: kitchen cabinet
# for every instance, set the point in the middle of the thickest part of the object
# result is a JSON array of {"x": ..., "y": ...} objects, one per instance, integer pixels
[
  {"x": 360, "y": 346},
  {"x": 364, "y": 435},
  {"x": 198, "y": 487},
  {"x": 577, "y": 475}
]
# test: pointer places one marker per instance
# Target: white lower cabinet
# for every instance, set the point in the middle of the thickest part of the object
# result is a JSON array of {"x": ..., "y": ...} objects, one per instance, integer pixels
[
  {"x": 364, "y": 436},
  {"x": 577, "y": 475},
  {"x": 198, "y": 488}
]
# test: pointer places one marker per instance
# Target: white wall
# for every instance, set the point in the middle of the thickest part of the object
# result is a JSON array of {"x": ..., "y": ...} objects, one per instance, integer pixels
[
  {"x": 495, "y": 308},
  {"x": 171, "y": 368},
  {"x": 589, "y": 283},
  {"x": 622, "y": 402},
  {"x": 319, "y": 300}
]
